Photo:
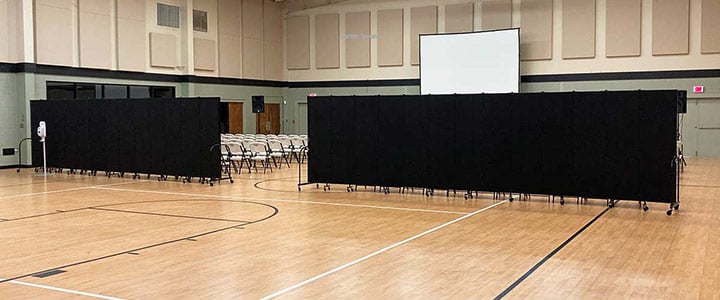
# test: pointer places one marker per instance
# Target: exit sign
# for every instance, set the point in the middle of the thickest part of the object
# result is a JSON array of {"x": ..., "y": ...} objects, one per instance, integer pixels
[{"x": 698, "y": 89}]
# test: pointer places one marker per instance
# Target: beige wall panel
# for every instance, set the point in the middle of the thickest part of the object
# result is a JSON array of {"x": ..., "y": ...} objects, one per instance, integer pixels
[
  {"x": 54, "y": 3},
  {"x": 229, "y": 17},
  {"x": 101, "y": 7},
  {"x": 273, "y": 68},
  {"x": 273, "y": 22},
  {"x": 131, "y": 45},
  {"x": 230, "y": 56},
  {"x": 578, "y": 26},
  {"x": 252, "y": 19},
  {"x": 298, "y": 42},
  {"x": 390, "y": 37},
  {"x": 357, "y": 45},
  {"x": 252, "y": 58},
  {"x": 459, "y": 17},
  {"x": 710, "y": 27},
  {"x": 423, "y": 20},
  {"x": 95, "y": 41},
  {"x": 536, "y": 17},
  {"x": 622, "y": 28},
  {"x": 496, "y": 14},
  {"x": 4, "y": 36},
  {"x": 327, "y": 41},
  {"x": 204, "y": 54},
  {"x": 671, "y": 27},
  {"x": 131, "y": 9},
  {"x": 163, "y": 50},
  {"x": 53, "y": 35}
]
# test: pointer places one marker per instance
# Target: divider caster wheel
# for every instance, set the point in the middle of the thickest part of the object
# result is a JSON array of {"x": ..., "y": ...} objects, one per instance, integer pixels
[
  {"x": 562, "y": 201},
  {"x": 211, "y": 183},
  {"x": 299, "y": 188},
  {"x": 232, "y": 181},
  {"x": 645, "y": 207},
  {"x": 669, "y": 212},
  {"x": 677, "y": 207}
]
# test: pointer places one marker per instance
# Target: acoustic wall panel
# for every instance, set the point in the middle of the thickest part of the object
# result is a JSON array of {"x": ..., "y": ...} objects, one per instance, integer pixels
[
  {"x": 327, "y": 41},
  {"x": 357, "y": 39},
  {"x": 229, "y": 38},
  {"x": 496, "y": 14},
  {"x": 390, "y": 37},
  {"x": 671, "y": 27},
  {"x": 298, "y": 42},
  {"x": 423, "y": 20},
  {"x": 204, "y": 53},
  {"x": 94, "y": 19},
  {"x": 163, "y": 50},
  {"x": 536, "y": 29},
  {"x": 131, "y": 44},
  {"x": 578, "y": 23},
  {"x": 54, "y": 33},
  {"x": 622, "y": 27},
  {"x": 252, "y": 42},
  {"x": 459, "y": 17},
  {"x": 273, "y": 58},
  {"x": 710, "y": 27}
]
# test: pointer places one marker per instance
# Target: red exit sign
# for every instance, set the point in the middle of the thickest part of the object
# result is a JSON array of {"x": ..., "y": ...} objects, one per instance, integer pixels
[{"x": 698, "y": 89}]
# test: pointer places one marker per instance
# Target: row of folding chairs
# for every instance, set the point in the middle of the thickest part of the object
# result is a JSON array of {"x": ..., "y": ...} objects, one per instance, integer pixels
[{"x": 269, "y": 151}]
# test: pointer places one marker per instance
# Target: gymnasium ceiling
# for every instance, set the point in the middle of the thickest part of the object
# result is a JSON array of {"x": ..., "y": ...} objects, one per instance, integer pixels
[{"x": 298, "y": 5}]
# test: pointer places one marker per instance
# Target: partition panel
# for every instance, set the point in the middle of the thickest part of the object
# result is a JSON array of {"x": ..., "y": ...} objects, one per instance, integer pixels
[
  {"x": 557, "y": 132},
  {"x": 497, "y": 136},
  {"x": 111, "y": 136},
  {"x": 96, "y": 132},
  {"x": 156, "y": 136},
  {"x": 588, "y": 145},
  {"x": 657, "y": 118},
  {"x": 173, "y": 138},
  {"x": 391, "y": 115},
  {"x": 441, "y": 140},
  {"x": 319, "y": 133},
  {"x": 622, "y": 147},
  {"x": 526, "y": 141},
  {"x": 209, "y": 135},
  {"x": 366, "y": 140},
  {"x": 127, "y": 160},
  {"x": 143, "y": 121},
  {"x": 415, "y": 142},
  {"x": 468, "y": 142},
  {"x": 342, "y": 139},
  {"x": 190, "y": 153}
]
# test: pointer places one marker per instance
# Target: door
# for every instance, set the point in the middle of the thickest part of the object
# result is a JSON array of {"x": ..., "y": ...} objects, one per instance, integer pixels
[
  {"x": 708, "y": 128},
  {"x": 301, "y": 123},
  {"x": 269, "y": 121},
  {"x": 235, "y": 117}
]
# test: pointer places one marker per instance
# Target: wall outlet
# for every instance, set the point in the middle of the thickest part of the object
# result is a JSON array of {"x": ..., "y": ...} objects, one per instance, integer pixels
[{"x": 9, "y": 151}]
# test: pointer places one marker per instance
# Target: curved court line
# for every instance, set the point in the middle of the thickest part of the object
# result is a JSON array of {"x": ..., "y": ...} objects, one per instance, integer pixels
[
  {"x": 378, "y": 252},
  {"x": 288, "y": 201},
  {"x": 275, "y": 212}
]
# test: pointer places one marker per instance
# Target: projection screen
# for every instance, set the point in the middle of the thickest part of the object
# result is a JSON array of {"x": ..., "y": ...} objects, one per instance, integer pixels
[{"x": 470, "y": 63}]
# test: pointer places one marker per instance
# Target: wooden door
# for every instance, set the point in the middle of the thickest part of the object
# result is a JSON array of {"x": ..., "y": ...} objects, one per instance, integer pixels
[
  {"x": 235, "y": 117},
  {"x": 269, "y": 121}
]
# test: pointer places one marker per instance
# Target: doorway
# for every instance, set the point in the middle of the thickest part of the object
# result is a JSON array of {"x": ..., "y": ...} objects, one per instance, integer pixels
[
  {"x": 235, "y": 117},
  {"x": 269, "y": 121}
]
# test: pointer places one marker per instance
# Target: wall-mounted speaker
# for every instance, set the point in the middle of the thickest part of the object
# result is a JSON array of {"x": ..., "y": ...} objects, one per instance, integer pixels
[
  {"x": 258, "y": 104},
  {"x": 682, "y": 101}
]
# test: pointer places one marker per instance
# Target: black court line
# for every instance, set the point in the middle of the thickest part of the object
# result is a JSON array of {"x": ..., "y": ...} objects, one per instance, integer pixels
[
  {"x": 45, "y": 214},
  {"x": 39, "y": 182},
  {"x": 547, "y": 257},
  {"x": 166, "y": 215},
  {"x": 135, "y": 251},
  {"x": 702, "y": 186}
]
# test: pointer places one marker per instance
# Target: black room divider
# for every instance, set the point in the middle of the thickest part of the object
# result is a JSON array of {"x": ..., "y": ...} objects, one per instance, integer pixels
[
  {"x": 607, "y": 145},
  {"x": 152, "y": 136}
]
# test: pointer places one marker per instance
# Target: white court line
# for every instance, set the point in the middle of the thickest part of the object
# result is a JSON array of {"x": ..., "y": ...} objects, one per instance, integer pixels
[
  {"x": 285, "y": 200},
  {"x": 57, "y": 289},
  {"x": 290, "y": 288},
  {"x": 65, "y": 190}
]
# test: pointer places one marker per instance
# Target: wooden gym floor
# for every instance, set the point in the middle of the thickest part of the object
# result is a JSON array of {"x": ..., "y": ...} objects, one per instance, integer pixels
[{"x": 74, "y": 236}]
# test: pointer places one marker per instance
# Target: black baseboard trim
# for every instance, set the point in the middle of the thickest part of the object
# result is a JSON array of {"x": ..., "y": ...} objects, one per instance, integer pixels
[
  {"x": 15, "y": 167},
  {"x": 131, "y": 75}
]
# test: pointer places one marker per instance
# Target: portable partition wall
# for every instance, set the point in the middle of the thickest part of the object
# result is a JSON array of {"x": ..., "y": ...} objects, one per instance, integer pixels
[
  {"x": 152, "y": 136},
  {"x": 608, "y": 145}
]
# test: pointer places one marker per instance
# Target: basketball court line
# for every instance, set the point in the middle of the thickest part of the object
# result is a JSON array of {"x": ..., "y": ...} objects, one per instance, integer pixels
[
  {"x": 284, "y": 200},
  {"x": 65, "y": 190},
  {"x": 378, "y": 252},
  {"x": 57, "y": 289}
]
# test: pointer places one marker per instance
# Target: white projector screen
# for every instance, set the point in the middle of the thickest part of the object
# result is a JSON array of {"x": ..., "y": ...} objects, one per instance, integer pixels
[{"x": 470, "y": 63}]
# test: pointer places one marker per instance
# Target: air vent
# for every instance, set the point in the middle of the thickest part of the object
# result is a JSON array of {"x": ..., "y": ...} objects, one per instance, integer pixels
[
  {"x": 168, "y": 15},
  {"x": 200, "y": 20}
]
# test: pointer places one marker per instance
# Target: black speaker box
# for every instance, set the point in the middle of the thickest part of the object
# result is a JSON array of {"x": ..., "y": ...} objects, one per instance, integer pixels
[
  {"x": 258, "y": 104},
  {"x": 682, "y": 101}
]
